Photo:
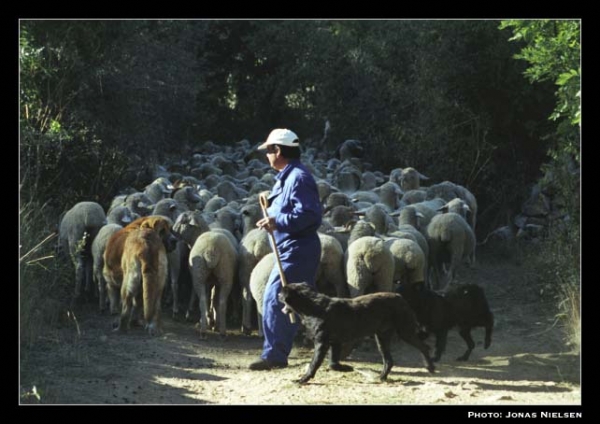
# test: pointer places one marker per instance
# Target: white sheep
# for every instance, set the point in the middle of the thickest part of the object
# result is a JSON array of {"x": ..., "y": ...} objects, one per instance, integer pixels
[
  {"x": 98, "y": 247},
  {"x": 409, "y": 260},
  {"x": 170, "y": 208},
  {"x": 360, "y": 229},
  {"x": 347, "y": 178},
  {"x": 413, "y": 196},
  {"x": 365, "y": 196},
  {"x": 379, "y": 217},
  {"x": 229, "y": 191},
  {"x": 138, "y": 203},
  {"x": 448, "y": 191},
  {"x": 389, "y": 195},
  {"x": 370, "y": 181},
  {"x": 188, "y": 227},
  {"x": 158, "y": 189},
  {"x": 188, "y": 196},
  {"x": 340, "y": 215},
  {"x": 229, "y": 219},
  {"x": 337, "y": 199},
  {"x": 250, "y": 214},
  {"x": 121, "y": 215},
  {"x": 408, "y": 178},
  {"x": 253, "y": 247},
  {"x": 258, "y": 283},
  {"x": 213, "y": 263},
  {"x": 214, "y": 204},
  {"x": 77, "y": 230},
  {"x": 428, "y": 209},
  {"x": 450, "y": 239},
  {"x": 410, "y": 221},
  {"x": 369, "y": 266},
  {"x": 330, "y": 273}
]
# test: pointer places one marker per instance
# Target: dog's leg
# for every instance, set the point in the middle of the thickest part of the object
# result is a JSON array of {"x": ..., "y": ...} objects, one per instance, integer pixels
[
  {"x": 465, "y": 333},
  {"x": 413, "y": 340},
  {"x": 334, "y": 359},
  {"x": 321, "y": 347},
  {"x": 440, "y": 344},
  {"x": 383, "y": 340},
  {"x": 126, "y": 310}
]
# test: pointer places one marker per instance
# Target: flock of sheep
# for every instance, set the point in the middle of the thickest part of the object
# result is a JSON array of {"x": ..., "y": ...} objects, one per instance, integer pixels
[{"x": 377, "y": 229}]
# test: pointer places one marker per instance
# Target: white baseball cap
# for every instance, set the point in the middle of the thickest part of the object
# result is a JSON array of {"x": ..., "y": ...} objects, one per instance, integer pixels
[{"x": 281, "y": 136}]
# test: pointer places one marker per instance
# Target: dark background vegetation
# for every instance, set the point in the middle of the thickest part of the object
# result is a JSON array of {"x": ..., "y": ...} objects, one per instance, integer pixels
[{"x": 101, "y": 102}]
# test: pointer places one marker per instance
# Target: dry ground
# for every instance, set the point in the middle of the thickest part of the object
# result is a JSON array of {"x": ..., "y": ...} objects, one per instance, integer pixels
[{"x": 528, "y": 363}]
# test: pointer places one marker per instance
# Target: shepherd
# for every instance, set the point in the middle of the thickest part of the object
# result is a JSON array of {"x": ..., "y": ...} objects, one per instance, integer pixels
[{"x": 293, "y": 216}]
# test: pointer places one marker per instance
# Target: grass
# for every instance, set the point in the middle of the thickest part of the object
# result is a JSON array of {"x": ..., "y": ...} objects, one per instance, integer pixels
[
  {"x": 43, "y": 278},
  {"x": 556, "y": 262}
]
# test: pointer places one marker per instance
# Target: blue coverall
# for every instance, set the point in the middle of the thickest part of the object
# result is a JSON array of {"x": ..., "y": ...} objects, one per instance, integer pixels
[{"x": 294, "y": 202}]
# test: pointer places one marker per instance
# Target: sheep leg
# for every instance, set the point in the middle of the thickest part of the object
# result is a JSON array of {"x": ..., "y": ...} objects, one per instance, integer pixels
[
  {"x": 193, "y": 301},
  {"x": 174, "y": 271},
  {"x": 222, "y": 311},
  {"x": 89, "y": 278},
  {"x": 79, "y": 276},
  {"x": 199, "y": 277},
  {"x": 465, "y": 333},
  {"x": 247, "y": 303},
  {"x": 260, "y": 325},
  {"x": 334, "y": 359},
  {"x": 383, "y": 340},
  {"x": 438, "y": 271},
  {"x": 213, "y": 307},
  {"x": 99, "y": 280}
]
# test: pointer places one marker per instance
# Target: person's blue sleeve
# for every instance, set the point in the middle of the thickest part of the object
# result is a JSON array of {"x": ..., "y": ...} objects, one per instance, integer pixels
[{"x": 306, "y": 208}]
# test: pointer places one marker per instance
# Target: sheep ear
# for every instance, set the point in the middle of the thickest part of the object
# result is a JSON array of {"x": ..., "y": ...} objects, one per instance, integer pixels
[
  {"x": 422, "y": 177},
  {"x": 466, "y": 207},
  {"x": 420, "y": 215},
  {"x": 443, "y": 209}
]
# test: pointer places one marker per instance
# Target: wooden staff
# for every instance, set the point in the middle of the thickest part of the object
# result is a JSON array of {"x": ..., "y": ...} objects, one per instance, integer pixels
[{"x": 263, "y": 205}]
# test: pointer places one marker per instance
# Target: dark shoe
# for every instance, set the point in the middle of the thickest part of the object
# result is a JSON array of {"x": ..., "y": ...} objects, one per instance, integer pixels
[{"x": 265, "y": 364}]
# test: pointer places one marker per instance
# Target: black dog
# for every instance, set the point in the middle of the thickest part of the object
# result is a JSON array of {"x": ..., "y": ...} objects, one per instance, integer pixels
[
  {"x": 331, "y": 321},
  {"x": 463, "y": 305}
]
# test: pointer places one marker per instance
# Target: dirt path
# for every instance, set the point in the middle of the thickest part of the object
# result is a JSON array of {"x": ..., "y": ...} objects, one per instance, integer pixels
[{"x": 527, "y": 363}]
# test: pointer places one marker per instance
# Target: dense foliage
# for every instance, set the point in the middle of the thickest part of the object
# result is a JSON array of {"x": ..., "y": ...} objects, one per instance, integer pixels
[{"x": 113, "y": 97}]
